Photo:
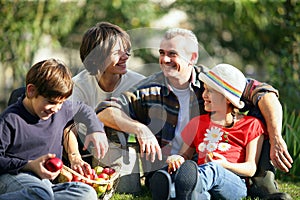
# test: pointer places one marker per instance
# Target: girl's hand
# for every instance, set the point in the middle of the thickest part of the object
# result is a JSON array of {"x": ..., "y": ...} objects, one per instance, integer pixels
[
  {"x": 174, "y": 163},
  {"x": 215, "y": 157}
]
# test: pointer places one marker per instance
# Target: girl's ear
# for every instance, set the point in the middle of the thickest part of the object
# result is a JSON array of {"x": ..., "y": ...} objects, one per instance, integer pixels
[
  {"x": 30, "y": 91},
  {"x": 228, "y": 102}
]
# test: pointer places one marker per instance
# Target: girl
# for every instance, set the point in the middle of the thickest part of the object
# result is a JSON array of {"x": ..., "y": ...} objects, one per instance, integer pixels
[{"x": 228, "y": 143}]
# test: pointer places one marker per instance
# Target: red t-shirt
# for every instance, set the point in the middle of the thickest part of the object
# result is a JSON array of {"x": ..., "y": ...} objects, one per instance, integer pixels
[{"x": 205, "y": 136}]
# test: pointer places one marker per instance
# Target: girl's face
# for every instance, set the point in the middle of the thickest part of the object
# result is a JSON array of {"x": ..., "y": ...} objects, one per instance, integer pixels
[
  {"x": 116, "y": 62},
  {"x": 214, "y": 101},
  {"x": 45, "y": 108}
]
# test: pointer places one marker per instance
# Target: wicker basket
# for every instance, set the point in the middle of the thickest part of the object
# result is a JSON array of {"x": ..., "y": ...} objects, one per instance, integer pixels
[{"x": 113, "y": 181}]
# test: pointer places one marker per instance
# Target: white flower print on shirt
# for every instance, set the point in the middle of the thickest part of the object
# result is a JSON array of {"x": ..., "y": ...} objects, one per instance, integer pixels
[
  {"x": 212, "y": 146},
  {"x": 202, "y": 147},
  {"x": 223, "y": 146},
  {"x": 213, "y": 135},
  {"x": 213, "y": 140}
]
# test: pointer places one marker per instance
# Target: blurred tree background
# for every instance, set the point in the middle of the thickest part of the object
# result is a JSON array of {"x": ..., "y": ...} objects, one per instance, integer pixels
[{"x": 259, "y": 37}]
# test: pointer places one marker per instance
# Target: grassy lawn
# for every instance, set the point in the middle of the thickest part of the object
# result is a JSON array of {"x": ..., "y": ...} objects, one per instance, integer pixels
[{"x": 289, "y": 187}]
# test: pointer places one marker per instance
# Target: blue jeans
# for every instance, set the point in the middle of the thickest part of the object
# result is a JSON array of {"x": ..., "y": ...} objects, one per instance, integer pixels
[
  {"x": 220, "y": 183},
  {"x": 27, "y": 186}
]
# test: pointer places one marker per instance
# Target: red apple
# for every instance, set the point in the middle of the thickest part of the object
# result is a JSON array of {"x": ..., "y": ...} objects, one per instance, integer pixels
[
  {"x": 76, "y": 178},
  {"x": 111, "y": 171},
  {"x": 88, "y": 176},
  {"x": 54, "y": 164},
  {"x": 103, "y": 175},
  {"x": 106, "y": 170},
  {"x": 94, "y": 175}
]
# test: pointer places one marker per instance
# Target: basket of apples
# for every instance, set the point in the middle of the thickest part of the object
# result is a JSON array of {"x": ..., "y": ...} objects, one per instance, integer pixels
[{"x": 103, "y": 179}]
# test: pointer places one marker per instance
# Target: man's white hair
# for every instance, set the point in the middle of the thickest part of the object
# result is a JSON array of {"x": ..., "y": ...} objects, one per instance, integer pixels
[{"x": 188, "y": 34}]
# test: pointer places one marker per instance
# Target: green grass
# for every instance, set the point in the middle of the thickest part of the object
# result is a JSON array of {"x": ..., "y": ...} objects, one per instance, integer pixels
[{"x": 289, "y": 187}]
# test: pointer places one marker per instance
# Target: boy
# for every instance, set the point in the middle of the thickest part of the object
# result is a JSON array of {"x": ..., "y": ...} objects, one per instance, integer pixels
[{"x": 31, "y": 131}]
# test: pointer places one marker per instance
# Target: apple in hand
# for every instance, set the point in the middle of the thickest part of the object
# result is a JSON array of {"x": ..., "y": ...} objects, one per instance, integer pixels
[{"x": 53, "y": 164}]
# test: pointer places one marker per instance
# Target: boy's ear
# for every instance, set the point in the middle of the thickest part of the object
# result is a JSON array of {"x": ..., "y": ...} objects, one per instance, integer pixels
[{"x": 30, "y": 91}]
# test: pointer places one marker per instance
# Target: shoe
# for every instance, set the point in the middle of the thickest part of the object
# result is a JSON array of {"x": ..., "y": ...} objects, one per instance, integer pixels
[
  {"x": 160, "y": 185},
  {"x": 187, "y": 182},
  {"x": 278, "y": 196},
  {"x": 262, "y": 186}
]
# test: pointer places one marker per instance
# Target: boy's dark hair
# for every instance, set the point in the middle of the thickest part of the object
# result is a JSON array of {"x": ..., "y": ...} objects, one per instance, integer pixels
[
  {"x": 52, "y": 79},
  {"x": 97, "y": 43}
]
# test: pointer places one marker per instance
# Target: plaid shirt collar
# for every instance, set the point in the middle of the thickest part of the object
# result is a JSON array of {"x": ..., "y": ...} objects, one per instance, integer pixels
[{"x": 194, "y": 80}]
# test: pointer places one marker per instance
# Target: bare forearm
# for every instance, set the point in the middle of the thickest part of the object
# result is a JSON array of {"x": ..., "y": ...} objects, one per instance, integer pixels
[
  {"x": 246, "y": 169},
  {"x": 271, "y": 110},
  {"x": 186, "y": 152},
  {"x": 115, "y": 118},
  {"x": 70, "y": 142}
]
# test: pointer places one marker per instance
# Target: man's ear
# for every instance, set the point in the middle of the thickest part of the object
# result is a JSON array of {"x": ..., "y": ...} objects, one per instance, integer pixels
[
  {"x": 30, "y": 91},
  {"x": 194, "y": 58}
]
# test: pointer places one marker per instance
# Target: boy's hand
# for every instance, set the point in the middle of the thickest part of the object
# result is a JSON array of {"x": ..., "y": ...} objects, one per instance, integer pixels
[
  {"x": 100, "y": 143},
  {"x": 37, "y": 166},
  {"x": 80, "y": 165}
]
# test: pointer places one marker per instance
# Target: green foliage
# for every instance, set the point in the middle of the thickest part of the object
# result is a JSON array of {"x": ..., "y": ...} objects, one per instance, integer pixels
[
  {"x": 128, "y": 14},
  {"x": 259, "y": 35},
  {"x": 291, "y": 129},
  {"x": 23, "y": 23}
]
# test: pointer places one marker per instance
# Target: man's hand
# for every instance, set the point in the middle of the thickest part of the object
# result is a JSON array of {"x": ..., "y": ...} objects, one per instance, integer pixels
[
  {"x": 100, "y": 143},
  {"x": 279, "y": 154},
  {"x": 271, "y": 109},
  {"x": 148, "y": 144}
]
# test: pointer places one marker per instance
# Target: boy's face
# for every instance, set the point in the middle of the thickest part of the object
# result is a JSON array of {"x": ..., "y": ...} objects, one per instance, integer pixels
[{"x": 44, "y": 108}]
